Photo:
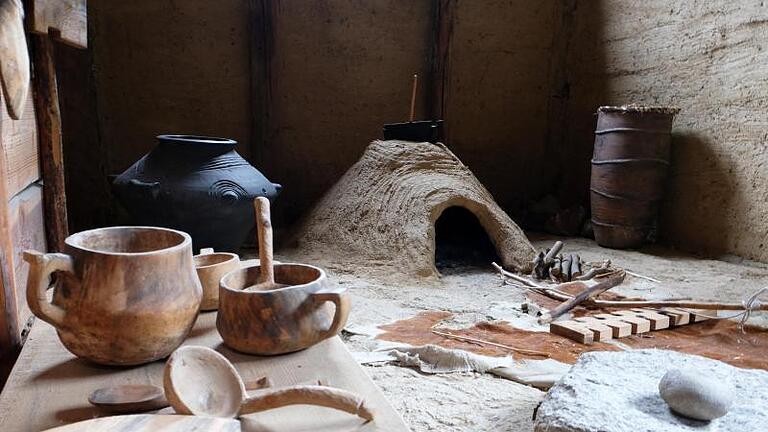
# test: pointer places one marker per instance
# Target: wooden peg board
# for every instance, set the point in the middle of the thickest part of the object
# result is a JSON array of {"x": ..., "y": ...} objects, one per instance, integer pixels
[{"x": 623, "y": 323}]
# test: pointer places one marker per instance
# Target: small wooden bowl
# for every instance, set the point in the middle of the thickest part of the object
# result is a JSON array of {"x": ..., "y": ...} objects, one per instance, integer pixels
[
  {"x": 211, "y": 267},
  {"x": 264, "y": 320}
]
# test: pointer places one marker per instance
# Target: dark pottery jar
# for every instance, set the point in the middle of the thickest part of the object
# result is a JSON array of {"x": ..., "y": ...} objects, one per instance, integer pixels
[
  {"x": 629, "y": 172},
  {"x": 196, "y": 184}
]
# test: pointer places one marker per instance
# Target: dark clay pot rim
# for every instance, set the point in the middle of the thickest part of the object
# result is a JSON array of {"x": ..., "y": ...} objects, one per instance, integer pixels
[
  {"x": 224, "y": 279},
  {"x": 73, "y": 241},
  {"x": 635, "y": 108},
  {"x": 196, "y": 139}
]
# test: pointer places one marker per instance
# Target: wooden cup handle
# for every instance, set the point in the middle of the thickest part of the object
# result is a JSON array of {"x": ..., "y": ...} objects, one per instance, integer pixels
[
  {"x": 340, "y": 315},
  {"x": 41, "y": 266}
]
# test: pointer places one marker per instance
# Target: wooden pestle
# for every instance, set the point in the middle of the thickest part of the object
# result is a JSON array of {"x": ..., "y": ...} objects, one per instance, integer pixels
[{"x": 266, "y": 258}]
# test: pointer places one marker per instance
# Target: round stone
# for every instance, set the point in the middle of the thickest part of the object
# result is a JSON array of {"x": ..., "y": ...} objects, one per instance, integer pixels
[{"x": 694, "y": 395}]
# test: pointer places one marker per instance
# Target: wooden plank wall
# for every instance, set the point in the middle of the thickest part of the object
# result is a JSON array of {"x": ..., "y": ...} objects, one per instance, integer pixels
[
  {"x": 22, "y": 208},
  {"x": 25, "y": 214}
]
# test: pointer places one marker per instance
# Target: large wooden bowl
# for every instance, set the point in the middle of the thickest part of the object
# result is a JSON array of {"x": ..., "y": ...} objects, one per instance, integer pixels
[{"x": 123, "y": 295}]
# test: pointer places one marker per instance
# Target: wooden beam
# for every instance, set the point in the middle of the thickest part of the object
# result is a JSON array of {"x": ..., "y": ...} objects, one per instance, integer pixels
[
  {"x": 442, "y": 32},
  {"x": 66, "y": 20},
  {"x": 22, "y": 158},
  {"x": 262, "y": 46},
  {"x": 49, "y": 134}
]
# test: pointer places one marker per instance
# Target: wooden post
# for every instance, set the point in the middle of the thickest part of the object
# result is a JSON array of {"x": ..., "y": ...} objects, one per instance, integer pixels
[
  {"x": 442, "y": 31},
  {"x": 65, "y": 21},
  {"x": 49, "y": 135},
  {"x": 262, "y": 41}
]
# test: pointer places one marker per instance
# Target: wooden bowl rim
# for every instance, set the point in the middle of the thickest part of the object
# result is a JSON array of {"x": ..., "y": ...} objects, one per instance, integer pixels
[
  {"x": 232, "y": 258},
  {"x": 185, "y": 243},
  {"x": 322, "y": 277},
  {"x": 177, "y": 357}
]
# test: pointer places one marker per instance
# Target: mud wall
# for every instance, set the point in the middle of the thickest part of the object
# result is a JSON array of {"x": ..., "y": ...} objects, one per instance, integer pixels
[
  {"x": 305, "y": 86},
  {"x": 709, "y": 58}
]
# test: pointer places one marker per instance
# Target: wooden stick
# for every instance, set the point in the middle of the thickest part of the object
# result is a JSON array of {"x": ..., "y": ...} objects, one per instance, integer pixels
[
  {"x": 638, "y": 275},
  {"x": 608, "y": 274},
  {"x": 264, "y": 225},
  {"x": 481, "y": 341},
  {"x": 328, "y": 397},
  {"x": 580, "y": 298},
  {"x": 49, "y": 137},
  {"x": 520, "y": 279},
  {"x": 553, "y": 293},
  {"x": 556, "y": 270},
  {"x": 575, "y": 266},
  {"x": 677, "y": 304},
  {"x": 413, "y": 97},
  {"x": 566, "y": 267},
  {"x": 552, "y": 253},
  {"x": 594, "y": 271}
]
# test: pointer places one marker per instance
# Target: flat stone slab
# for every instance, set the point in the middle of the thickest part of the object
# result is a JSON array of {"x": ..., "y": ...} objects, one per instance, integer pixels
[{"x": 619, "y": 392}]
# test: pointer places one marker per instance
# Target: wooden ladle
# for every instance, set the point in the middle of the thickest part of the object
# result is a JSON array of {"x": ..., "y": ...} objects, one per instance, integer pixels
[
  {"x": 266, "y": 257},
  {"x": 200, "y": 381}
]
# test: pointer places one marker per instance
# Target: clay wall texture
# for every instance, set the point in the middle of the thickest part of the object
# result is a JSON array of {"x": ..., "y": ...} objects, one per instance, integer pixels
[
  {"x": 338, "y": 71},
  {"x": 710, "y": 58},
  {"x": 523, "y": 80}
]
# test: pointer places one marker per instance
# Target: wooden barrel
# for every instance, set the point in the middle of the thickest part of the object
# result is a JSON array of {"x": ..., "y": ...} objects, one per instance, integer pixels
[{"x": 629, "y": 170}]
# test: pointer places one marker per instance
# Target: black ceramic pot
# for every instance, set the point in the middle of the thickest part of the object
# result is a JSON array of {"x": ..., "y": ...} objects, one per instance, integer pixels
[
  {"x": 416, "y": 131},
  {"x": 196, "y": 184}
]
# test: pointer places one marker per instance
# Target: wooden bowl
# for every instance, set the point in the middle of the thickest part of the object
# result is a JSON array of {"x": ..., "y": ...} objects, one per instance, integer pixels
[
  {"x": 268, "y": 320},
  {"x": 211, "y": 267},
  {"x": 123, "y": 295}
]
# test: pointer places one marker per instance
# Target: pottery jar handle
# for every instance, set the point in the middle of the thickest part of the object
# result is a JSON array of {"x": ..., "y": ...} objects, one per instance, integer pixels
[
  {"x": 41, "y": 266},
  {"x": 340, "y": 315}
]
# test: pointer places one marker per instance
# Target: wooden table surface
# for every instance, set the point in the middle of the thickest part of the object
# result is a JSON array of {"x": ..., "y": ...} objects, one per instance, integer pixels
[{"x": 49, "y": 386}]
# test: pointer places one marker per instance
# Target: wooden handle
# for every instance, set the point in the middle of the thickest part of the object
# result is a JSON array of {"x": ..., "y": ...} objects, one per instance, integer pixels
[
  {"x": 258, "y": 384},
  {"x": 340, "y": 315},
  {"x": 581, "y": 297},
  {"x": 264, "y": 225},
  {"x": 41, "y": 266},
  {"x": 413, "y": 97},
  {"x": 328, "y": 397}
]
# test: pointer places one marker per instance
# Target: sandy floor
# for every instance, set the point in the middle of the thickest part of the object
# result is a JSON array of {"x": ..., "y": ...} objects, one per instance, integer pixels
[{"x": 477, "y": 402}]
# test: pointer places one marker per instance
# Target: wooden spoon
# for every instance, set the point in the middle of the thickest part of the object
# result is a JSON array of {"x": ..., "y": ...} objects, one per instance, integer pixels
[
  {"x": 266, "y": 261},
  {"x": 136, "y": 398},
  {"x": 14, "y": 57},
  {"x": 200, "y": 381}
]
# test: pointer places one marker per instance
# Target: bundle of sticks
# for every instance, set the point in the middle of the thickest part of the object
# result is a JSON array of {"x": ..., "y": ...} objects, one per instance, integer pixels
[
  {"x": 551, "y": 264},
  {"x": 588, "y": 297}
]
